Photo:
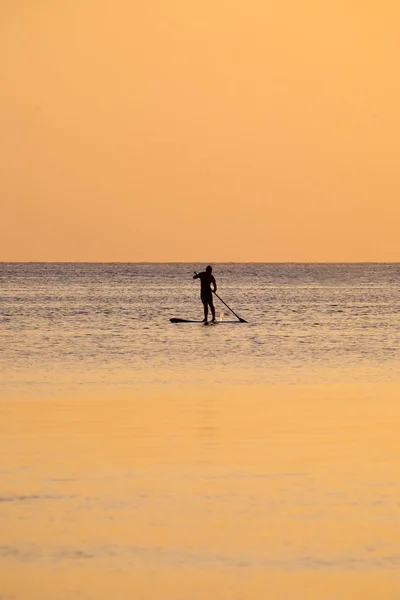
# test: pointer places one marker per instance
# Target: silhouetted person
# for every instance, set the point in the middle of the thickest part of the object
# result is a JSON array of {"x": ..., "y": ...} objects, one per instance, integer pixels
[{"x": 206, "y": 293}]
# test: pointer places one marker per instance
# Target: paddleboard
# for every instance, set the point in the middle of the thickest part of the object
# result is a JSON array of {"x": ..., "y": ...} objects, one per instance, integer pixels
[{"x": 176, "y": 320}]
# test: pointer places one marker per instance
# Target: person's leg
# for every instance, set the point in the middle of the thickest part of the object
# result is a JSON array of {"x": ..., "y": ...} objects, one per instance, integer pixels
[
  {"x": 212, "y": 309},
  {"x": 205, "y": 305}
]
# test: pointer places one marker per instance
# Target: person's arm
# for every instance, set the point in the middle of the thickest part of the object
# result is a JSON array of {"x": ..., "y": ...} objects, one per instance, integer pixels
[
  {"x": 214, "y": 284},
  {"x": 196, "y": 276}
]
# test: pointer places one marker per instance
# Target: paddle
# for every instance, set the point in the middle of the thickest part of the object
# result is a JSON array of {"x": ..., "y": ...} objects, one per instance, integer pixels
[{"x": 232, "y": 311}]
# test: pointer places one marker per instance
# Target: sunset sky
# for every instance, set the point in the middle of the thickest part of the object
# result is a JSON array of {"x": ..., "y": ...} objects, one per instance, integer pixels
[{"x": 173, "y": 130}]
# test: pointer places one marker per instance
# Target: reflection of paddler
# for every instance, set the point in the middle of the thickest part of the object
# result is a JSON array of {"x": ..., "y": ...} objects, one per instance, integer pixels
[{"x": 206, "y": 293}]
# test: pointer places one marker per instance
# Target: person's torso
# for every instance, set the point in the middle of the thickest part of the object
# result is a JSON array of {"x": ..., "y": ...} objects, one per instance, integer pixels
[{"x": 206, "y": 279}]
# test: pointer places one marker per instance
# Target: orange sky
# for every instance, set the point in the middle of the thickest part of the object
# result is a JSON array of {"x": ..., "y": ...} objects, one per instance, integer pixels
[{"x": 200, "y": 131}]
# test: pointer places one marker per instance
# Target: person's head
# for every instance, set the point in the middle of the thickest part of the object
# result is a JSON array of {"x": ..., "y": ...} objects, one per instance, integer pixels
[{"x": 209, "y": 269}]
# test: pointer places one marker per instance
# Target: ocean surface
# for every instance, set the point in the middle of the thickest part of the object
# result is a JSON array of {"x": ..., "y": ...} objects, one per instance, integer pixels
[
  {"x": 145, "y": 459},
  {"x": 305, "y": 322}
]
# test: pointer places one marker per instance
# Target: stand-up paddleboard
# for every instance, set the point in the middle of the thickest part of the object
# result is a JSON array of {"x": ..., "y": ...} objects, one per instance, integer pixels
[{"x": 176, "y": 320}]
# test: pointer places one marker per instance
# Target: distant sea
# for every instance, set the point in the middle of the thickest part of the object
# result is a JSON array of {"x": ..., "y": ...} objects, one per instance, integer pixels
[
  {"x": 151, "y": 460},
  {"x": 67, "y": 323}
]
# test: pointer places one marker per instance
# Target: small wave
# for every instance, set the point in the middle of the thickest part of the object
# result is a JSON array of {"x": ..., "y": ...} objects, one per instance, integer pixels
[{"x": 28, "y": 497}]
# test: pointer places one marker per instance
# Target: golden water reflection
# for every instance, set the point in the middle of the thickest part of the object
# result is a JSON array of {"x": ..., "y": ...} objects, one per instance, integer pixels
[{"x": 202, "y": 492}]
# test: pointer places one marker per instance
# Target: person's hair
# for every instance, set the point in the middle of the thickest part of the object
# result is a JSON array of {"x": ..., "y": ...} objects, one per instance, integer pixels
[{"x": 208, "y": 269}]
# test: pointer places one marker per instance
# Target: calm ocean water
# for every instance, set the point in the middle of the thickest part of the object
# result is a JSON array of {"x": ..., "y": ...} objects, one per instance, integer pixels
[
  {"x": 132, "y": 468},
  {"x": 305, "y": 321}
]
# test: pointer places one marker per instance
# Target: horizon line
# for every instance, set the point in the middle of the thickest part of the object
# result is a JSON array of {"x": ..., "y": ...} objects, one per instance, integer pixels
[{"x": 260, "y": 262}]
